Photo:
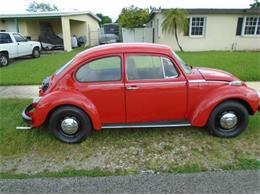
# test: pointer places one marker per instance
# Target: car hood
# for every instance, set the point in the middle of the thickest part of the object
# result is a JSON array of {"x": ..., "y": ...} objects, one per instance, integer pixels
[
  {"x": 210, "y": 74},
  {"x": 35, "y": 42}
]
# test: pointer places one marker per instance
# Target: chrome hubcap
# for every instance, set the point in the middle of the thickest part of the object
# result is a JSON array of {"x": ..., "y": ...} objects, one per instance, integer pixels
[
  {"x": 69, "y": 126},
  {"x": 228, "y": 120}
]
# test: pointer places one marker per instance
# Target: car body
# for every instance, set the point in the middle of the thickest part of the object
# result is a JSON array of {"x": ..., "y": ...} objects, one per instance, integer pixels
[
  {"x": 14, "y": 45},
  {"x": 139, "y": 85}
]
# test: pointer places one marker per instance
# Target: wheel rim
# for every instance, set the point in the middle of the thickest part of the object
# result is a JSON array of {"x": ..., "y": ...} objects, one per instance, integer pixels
[
  {"x": 3, "y": 61},
  {"x": 228, "y": 120},
  {"x": 36, "y": 53},
  {"x": 69, "y": 125}
]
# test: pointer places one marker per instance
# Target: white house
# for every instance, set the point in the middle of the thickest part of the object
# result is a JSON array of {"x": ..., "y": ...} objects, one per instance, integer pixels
[
  {"x": 213, "y": 29},
  {"x": 79, "y": 23}
]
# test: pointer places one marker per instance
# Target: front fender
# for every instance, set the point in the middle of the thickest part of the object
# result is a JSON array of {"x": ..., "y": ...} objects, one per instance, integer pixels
[
  {"x": 58, "y": 98},
  {"x": 198, "y": 116}
]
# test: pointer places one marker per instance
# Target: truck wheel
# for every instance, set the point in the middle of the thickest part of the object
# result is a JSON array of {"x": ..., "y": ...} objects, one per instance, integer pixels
[
  {"x": 70, "y": 124},
  {"x": 4, "y": 60},
  {"x": 36, "y": 53},
  {"x": 228, "y": 119}
]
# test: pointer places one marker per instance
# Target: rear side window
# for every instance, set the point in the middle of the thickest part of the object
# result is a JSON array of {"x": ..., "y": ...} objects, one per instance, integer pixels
[
  {"x": 149, "y": 67},
  {"x": 104, "y": 69},
  {"x": 5, "y": 38}
]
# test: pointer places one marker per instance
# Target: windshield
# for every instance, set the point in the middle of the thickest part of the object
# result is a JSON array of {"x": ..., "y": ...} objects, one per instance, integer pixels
[
  {"x": 61, "y": 69},
  {"x": 184, "y": 65}
]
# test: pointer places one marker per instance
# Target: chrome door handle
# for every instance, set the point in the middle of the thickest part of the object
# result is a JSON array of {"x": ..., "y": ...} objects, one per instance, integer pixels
[{"x": 132, "y": 88}]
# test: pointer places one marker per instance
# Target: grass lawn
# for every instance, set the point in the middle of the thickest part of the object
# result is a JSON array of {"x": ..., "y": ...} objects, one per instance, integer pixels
[
  {"x": 120, "y": 151},
  {"x": 244, "y": 65},
  {"x": 33, "y": 71}
]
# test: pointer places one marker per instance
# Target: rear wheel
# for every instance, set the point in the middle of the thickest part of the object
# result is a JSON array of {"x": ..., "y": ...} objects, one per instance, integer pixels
[
  {"x": 36, "y": 53},
  {"x": 70, "y": 124},
  {"x": 228, "y": 119},
  {"x": 4, "y": 60}
]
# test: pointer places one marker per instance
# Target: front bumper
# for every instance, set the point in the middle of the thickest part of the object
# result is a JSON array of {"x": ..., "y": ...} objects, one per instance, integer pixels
[{"x": 27, "y": 114}]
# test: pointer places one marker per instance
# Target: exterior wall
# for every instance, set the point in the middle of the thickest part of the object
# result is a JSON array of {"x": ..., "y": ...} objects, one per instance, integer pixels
[
  {"x": 220, "y": 34},
  {"x": 8, "y": 25},
  {"x": 91, "y": 28},
  {"x": 79, "y": 25}
]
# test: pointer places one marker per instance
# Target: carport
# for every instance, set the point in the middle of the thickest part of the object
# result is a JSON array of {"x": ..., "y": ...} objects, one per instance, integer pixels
[{"x": 63, "y": 24}]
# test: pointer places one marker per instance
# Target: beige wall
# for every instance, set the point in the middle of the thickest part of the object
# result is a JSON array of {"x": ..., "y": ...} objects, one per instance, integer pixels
[
  {"x": 220, "y": 34},
  {"x": 91, "y": 27}
]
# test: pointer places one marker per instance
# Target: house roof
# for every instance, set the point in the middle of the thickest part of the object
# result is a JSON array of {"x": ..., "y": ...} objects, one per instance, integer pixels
[
  {"x": 213, "y": 11},
  {"x": 47, "y": 14}
]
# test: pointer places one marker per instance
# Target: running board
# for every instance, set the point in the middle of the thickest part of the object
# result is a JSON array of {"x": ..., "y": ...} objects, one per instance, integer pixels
[{"x": 148, "y": 125}]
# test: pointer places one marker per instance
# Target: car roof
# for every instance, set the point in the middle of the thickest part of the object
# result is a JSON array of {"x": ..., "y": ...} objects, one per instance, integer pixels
[{"x": 126, "y": 48}]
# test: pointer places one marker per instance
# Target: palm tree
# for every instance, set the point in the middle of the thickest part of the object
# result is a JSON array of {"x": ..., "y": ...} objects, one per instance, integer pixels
[{"x": 174, "y": 21}]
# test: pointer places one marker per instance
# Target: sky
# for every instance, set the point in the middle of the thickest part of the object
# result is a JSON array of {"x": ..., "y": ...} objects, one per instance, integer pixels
[{"x": 112, "y": 8}]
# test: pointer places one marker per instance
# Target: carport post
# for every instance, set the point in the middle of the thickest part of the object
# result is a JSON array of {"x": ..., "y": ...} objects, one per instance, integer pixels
[{"x": 65, "y": 23}]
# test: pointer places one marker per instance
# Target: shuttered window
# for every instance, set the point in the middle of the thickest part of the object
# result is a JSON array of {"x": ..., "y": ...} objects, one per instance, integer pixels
[
  {"x": 252, "y": 26},
  {"x": 197, "y": 26}
]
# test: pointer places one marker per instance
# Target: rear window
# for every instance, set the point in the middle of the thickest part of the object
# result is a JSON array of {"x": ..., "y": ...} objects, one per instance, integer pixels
[
  {"x": 103, "y": 69},
  {"x": 5, "y": 38}
]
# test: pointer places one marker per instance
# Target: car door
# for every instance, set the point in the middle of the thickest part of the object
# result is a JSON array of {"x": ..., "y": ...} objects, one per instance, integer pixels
[
  {"x": 155, "y": 89},
  {"x": 101, "y": 81},
  {"x": 24, "y": 47}
]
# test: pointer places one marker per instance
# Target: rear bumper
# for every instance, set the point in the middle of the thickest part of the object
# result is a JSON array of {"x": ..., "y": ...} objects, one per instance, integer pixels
[{"x": 26, "y": 114}]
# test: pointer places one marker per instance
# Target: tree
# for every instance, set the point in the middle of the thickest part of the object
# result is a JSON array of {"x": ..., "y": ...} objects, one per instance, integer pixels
[
  {"x": 104, "y": 19},
  {"x": 133, "y": 17},
  {"x": 256, "y": 4},
  {"x": 175, "y": 21},
  {"x": 41, "y": 7}
]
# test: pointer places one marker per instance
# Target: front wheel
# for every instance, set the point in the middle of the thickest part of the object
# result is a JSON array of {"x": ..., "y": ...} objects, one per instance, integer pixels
[
  {"x": 228, "y": 119},
  {"x": 36, "y": 53},
  {"x": 70, "y": 124}
]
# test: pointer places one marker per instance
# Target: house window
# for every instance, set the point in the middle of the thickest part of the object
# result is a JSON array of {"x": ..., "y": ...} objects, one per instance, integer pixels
[
  {"x": 251, "y": 26},
  {"x": 197, "y": 26}
]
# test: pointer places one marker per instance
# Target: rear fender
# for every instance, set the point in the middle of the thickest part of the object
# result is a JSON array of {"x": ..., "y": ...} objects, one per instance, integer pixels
[{"x": 53, "y": 100}]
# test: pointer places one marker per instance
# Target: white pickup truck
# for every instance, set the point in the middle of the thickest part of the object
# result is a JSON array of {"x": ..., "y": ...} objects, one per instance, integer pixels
[{"x": 13, "y": 45}]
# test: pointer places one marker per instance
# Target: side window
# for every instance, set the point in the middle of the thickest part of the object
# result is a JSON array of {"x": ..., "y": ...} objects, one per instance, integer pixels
[
  {"x": 19, "y": 38},
  {"x": 104, "y": 69},
  {"x": 169, "y": 69},
  {"x": 5, "y": 38},
  {"x": 149, "y": 67}
]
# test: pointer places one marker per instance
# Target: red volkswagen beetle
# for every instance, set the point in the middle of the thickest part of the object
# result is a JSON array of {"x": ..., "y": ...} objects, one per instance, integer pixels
[{"x": 135, "y": 86}]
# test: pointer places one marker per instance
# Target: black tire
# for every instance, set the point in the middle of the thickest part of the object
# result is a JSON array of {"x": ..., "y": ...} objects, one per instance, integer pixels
[
  {"x": 215, "y": 126},
  {"x": 36, "y": 53},
  {"x": 70, "y": 112},
  {"x": 4, "y": 59}
]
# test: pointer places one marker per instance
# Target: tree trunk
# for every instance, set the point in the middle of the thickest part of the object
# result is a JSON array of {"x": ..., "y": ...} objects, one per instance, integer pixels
[{"x": 176, "y": 36}]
